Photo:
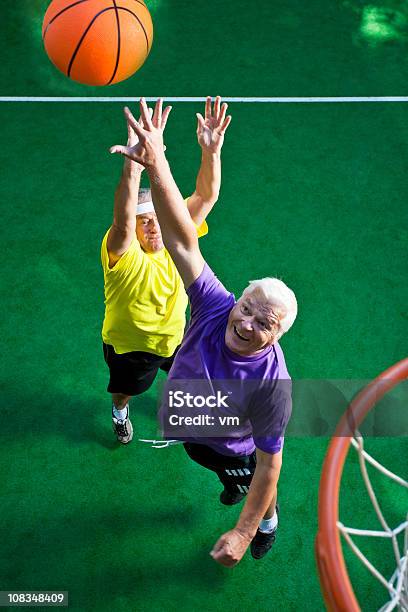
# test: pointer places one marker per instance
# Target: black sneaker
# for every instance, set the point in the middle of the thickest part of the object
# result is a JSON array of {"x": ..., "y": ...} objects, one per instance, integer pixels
[
  {"x": 228, "y": 498},
  {"x": 263, "y": 542},
  {"x": 123, "y": 429}
]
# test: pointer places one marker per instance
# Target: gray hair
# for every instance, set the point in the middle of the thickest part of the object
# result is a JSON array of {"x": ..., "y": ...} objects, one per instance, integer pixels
[
  {"x": 278, "y": 295},
  {"x": 145, "y": 195}
]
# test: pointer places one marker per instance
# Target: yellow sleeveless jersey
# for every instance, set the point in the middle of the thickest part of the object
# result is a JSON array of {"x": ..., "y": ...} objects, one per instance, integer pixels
[{"x": 145, "y": 301}]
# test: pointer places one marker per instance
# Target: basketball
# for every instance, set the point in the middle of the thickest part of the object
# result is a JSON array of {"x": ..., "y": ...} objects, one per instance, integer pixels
[{"x": 97, "y": 42}]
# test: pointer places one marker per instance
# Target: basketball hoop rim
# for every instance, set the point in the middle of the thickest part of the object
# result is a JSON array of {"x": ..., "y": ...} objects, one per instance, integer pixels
[{"x": 335, "y": 583}]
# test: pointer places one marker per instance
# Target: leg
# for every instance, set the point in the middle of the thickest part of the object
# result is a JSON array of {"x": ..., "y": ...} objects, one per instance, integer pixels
[
  {"x": 271, "y": 510},
  {"x": 236, "y": 478},
  {"x": 266, "y": 533},
  {"x": 119, "y": 400},
  {"x": 130, "y": 374},
  {"x": 121, "y": 423},
  {"x": 235, "y": 473}
]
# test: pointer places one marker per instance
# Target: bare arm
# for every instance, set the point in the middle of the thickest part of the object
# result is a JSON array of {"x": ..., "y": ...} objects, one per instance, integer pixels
[
  {"x": 178, "y": 230},
  {"x": 210, "y": 136},
  {"x": 123, "y": 227},
  {"x": 231, "y": 547}
]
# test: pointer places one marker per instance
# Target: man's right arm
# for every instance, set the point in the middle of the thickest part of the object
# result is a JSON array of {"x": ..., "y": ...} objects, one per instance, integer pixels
[
  {"x": 178, "y": 230},
  {"x": 123, "y": 227}
]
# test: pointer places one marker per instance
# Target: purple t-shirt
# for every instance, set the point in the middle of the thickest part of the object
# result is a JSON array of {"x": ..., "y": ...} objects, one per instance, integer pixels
[{"x": 257, "y": 388}]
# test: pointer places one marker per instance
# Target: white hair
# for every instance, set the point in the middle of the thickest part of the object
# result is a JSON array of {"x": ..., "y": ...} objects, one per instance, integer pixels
[{"x": 278, "y": 295}]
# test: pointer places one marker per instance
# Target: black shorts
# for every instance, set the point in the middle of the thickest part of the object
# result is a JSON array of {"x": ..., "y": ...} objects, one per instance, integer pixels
[
  {"x": 133, "y": 373},
  {"x": 235, "y": 472}
]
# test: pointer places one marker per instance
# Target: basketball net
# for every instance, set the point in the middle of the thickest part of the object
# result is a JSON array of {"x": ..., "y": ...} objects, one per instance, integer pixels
[{"x": 335, "y": 582}]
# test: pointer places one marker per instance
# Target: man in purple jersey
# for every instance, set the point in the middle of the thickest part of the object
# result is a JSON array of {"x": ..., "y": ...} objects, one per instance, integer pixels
[{"x": 229, "y": 364}]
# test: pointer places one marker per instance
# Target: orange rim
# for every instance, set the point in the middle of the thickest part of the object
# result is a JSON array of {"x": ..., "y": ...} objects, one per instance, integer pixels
[{"x": 334, "y": 579}]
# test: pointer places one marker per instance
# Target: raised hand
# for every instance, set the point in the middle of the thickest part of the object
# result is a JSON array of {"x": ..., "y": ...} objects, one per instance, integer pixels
[
  {"x": 211, "y": 129},
  {"x": 145, "y": 144},
  {"x": 132, "y": 142}
]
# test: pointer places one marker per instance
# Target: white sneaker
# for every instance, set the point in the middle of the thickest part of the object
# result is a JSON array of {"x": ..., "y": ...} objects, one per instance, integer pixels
[{"x": 123, "y": 429}]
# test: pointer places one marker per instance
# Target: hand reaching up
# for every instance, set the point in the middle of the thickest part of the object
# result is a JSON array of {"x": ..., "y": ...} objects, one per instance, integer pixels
[
  {"x": 211, "y": 129},
  {"x": 145, "y": 138}
]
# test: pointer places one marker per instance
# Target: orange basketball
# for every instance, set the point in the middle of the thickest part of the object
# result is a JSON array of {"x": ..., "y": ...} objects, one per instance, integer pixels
[{"x": 97, "y": 42}]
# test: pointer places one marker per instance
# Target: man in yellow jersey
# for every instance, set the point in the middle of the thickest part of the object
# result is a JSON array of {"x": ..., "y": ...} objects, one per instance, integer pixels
[{"x": 145, "y": 300}]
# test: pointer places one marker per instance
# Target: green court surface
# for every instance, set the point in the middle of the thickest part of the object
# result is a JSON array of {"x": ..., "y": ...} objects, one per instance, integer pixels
[{"x": 313, "y": 193}]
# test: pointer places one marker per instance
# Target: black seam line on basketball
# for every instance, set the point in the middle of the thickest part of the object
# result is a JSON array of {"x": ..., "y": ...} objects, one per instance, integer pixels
[
  {"x": 94, "y": 18},
  {"x": 118, "y": 52},
  {"x": 60, "y": 13},
  {"x": 141, "y": 25},
  {"x": 142, "y": 3}
]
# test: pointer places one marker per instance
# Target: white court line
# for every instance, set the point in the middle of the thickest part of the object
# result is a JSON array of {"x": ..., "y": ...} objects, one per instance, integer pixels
[{"x": 170, "y": 99}]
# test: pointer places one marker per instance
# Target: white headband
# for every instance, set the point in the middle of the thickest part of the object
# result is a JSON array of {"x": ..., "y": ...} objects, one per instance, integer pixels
[{"x": 146, "y": 207}]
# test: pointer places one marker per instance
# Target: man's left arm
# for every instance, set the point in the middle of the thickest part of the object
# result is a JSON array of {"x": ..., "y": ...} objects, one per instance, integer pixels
[
  {"x": 210, "y": 135},
  {"x": 231, "y": 546}
]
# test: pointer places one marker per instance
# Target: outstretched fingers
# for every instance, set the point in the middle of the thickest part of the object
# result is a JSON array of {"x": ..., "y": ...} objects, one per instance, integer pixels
[
  {"x": 140, "y": 120},
  {"x": 201, "y": 122},
  {"x": 208, "y": 107},
  {"x": 221, "y": 115},
  {"x": 157, "y": 115},
  {"x": 156, "y": 119},
  {"x": 225, "y": 124},
  {"x": 121, "y": 150},
  {"x": 137, "y": 128},
  {"x": 217, "y": 104},
  {"x": 130, "y": 132},
  {"x": 165, "y": 116},
  {"x": 133, "y": 138},
  {"x": 145, "y": 114}
]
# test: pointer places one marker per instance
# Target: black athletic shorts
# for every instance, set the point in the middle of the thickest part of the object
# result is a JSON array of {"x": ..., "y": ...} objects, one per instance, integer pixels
[
  {"x": 235, "y": 472},
  {"x": 133, "y": 373}
]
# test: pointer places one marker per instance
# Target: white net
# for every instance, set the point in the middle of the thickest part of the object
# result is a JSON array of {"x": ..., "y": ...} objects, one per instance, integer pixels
[{"x": 397, "y": 584}]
